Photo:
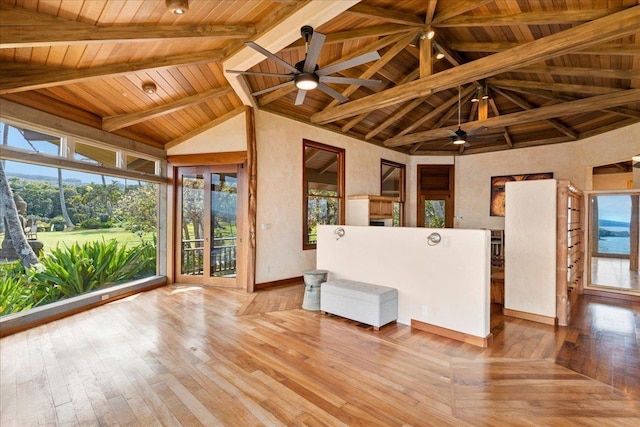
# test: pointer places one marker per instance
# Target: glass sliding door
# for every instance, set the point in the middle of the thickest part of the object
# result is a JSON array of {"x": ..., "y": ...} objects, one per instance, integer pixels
[
  {"x": 192, "y": 226},
  {"x": 224, "y": 225},
  {"x": 208, "y": 225}
]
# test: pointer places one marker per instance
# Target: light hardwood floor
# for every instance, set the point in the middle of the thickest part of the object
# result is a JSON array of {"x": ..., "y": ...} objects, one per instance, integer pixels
[{"x": 201, "y": 356}]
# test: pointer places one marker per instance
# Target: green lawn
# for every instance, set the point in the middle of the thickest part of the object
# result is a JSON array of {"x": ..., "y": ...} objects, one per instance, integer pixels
[{"x": 53, "y": 238}]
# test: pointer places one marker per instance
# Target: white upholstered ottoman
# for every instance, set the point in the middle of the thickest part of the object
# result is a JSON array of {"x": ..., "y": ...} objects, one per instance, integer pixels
[{"x": 371, "y": 304}]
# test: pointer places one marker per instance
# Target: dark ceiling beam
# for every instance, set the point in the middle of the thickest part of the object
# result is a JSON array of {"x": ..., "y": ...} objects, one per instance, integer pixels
[{"x": 610, "y": 27}]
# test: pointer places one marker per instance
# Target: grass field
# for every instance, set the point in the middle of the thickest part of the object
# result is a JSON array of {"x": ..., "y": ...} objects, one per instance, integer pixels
[{"x": 52, "y": 238}]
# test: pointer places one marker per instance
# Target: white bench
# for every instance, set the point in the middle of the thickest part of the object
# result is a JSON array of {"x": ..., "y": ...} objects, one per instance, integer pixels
[{"x": 363, "y": 302}]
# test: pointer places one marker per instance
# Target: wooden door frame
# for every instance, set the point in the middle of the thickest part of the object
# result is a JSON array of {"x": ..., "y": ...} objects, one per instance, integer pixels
[
  {"x": 244, "y": 275},
  {"x": 448, "y": 195}
]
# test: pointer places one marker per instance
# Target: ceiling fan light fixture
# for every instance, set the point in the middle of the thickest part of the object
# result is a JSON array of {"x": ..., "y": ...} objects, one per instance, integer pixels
[
  {"x": 439, "y": 55},
  {"x": 306, "y": 81},
  {"x": 149, "y": 88},
  {"x": 177, "y": 7},
  {"x": 459, "y": 141}
]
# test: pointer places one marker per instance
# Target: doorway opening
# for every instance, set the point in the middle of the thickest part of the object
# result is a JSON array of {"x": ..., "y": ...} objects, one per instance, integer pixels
[
  {"x": 208, "y": 225},
  {"x": 435, "y": 196},
  {"x": 613, "y": 242}
]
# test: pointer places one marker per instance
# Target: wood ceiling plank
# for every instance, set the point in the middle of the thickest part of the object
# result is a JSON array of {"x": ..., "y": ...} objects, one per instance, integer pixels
[
  {"x": 602, "y": 30},
  {"x": 22, "y": 28},
  {"x": 530, "y": 18},
  {"x": 593, "y": 103},
  {"x": 462, "y": 7},
  {"x": 20, "y": 78},
  {"x": 402, "y": 42},
  {"x": 579, "y": 72},
  {"x": 527, "y": 106},
  {"x": 554, "y": 87},
  {"x": 410, "y": 106},
  {"x": 442, "y": 108},
  {"x": 361, "y": 33},
  {"x": 495, "y": 47},
  {"x": 388, "y": 15},
  {"x": 111, "y": 123}
]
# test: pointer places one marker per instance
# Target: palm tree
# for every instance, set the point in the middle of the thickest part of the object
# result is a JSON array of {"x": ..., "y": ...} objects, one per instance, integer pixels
[
  {"x": 63, "y": 203},
  {"x": 13, "y": 224}
]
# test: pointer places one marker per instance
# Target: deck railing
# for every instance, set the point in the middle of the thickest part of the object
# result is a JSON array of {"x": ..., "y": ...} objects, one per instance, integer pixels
[{"x": 223, "y": 256}]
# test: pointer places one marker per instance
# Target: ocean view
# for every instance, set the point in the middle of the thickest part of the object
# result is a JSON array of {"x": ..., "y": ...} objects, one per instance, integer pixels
[{"x": 612, "y": 244}]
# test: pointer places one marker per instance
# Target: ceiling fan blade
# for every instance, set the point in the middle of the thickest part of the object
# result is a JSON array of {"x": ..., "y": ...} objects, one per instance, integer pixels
[
  {"x": 337, "y": 95},
  {"x": 353, "y": 62},
  {"x": 453, "y": 133},
  {"x": 476, "y": 130},
  {"x": 271, "y": 56},
  {"x": 350, "y": 81},
  {"x": 300, "y": 97},
  {"x": 272, "y": 88},
  {"x": 258, "y": 73},
  {"x": 314, "y": 52}
]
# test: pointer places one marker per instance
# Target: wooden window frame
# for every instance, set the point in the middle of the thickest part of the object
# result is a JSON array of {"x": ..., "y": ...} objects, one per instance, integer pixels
[
  {"x": 403, "y": 183},
  {"x": 340, "y": 152}
]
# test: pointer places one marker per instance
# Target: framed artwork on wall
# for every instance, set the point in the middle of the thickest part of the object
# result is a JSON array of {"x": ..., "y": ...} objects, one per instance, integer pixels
[{"x": 498, "y": 183}]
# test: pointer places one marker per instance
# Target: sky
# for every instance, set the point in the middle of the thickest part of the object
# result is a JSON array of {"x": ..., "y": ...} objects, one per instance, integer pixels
[
  {"x": 614, "y": 207},
  {"x": 16, "y": 140}
]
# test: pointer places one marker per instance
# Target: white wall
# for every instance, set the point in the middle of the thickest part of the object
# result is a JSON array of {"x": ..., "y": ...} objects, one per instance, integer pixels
[
  {"x": 446, "y": 285},
  {"x": 612, "y": 181},
  {"x": 226, "y": 137},
  {"x": 530, "y": 252},
  {"x": 571, "y": 160},
  {"x": 280, "y": 154}
]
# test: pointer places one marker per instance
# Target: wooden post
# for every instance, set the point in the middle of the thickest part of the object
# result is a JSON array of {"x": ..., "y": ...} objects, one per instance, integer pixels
[
  {"x": 562, "y": 291},
  {"x": 634, "y": 233},
  {"x": 252, "y": 164}
]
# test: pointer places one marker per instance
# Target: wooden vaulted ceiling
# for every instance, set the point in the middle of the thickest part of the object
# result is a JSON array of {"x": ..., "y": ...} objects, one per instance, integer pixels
[{"x": 554, "y": 71}]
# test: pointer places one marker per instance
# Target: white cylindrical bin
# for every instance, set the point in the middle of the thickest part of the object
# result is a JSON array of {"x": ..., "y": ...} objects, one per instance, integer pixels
[{"x": 312, "y": 281}]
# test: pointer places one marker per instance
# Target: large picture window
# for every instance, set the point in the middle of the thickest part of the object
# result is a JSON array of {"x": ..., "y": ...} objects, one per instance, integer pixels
[
  {"x": 91, "y": 223},
  {"x": 323, "y": 193}
]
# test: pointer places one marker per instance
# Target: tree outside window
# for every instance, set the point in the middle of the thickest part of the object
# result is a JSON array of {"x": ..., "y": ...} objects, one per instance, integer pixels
[{"x": 323, "y": 194}]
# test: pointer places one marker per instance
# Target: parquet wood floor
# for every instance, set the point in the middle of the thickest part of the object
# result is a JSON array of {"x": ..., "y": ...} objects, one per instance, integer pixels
[{"x": 184, "y": 356}]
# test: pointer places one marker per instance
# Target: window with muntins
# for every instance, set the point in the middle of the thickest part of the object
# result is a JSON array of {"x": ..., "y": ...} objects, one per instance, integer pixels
[{"x": 323, "y": 192}]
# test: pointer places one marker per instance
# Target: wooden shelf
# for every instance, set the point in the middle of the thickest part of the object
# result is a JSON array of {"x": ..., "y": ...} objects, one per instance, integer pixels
[
  {"x": 570, "y": 250},
  {"x": 363, "y": 208}
]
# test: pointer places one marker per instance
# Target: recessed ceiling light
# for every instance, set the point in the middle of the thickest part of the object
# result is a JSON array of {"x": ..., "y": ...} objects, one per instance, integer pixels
[
  {"x": 149, "y": 88},
  {"x": 177, "y": 7}
]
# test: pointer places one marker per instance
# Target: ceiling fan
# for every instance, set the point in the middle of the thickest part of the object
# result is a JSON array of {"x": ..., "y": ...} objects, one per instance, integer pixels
[
  {"x": 460, "y": 137},
  {"x": 307, "y": 75}
]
